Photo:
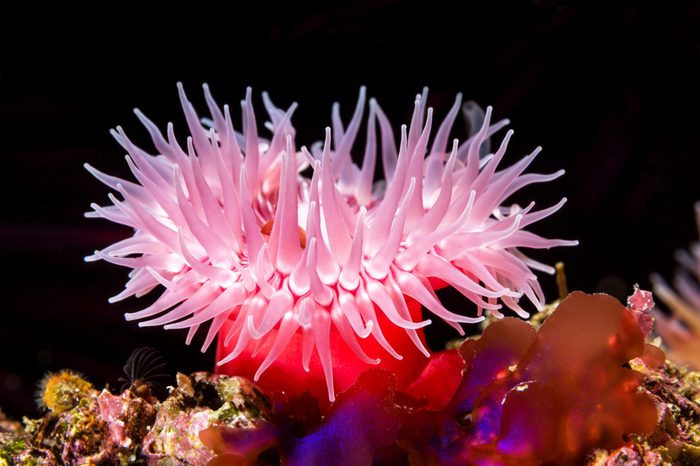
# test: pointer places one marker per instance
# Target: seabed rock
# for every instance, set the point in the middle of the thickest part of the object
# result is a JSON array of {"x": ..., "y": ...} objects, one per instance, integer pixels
[
  {"x": 105, "y": 429},
  {"x": 201, "y": 400},
  {"x": 86, "y": 426},
  {"x": 126, "y": 429},
  {"x": 676, "y": 439}
]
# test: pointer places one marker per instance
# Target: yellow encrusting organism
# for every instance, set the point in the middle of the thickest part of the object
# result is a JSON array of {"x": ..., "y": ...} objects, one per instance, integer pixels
[{"x": 61, "y": 391}]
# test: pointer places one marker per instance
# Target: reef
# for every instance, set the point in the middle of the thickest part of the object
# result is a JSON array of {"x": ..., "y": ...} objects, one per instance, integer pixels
[
  {"x": 127, "y": 429},
  {"x": 581, "y": 385}
]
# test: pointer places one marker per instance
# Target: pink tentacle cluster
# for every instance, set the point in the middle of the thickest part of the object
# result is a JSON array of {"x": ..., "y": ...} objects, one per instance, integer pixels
[
  {"x": 231, "y": 229},
  {"x": 681, "y": 330}
]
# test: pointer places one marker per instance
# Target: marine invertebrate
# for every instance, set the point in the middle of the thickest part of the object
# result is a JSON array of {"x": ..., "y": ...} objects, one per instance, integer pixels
[
  {"x": 62, "y": 390},
  {"x": 681, "y": 331},
  {"x": 142, "y": 370},
  {"x": 238, "y": 237}
]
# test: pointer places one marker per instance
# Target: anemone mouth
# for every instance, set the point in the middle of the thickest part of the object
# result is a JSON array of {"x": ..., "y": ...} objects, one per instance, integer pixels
[
  {"x": 233, "y": 232},
  {"x": 266, "y": 230}
]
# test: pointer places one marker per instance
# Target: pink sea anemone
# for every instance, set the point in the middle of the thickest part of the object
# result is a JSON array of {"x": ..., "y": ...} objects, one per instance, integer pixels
[
  {"x": 237, "y": 236},
  {"x": 681, "y": 331}
]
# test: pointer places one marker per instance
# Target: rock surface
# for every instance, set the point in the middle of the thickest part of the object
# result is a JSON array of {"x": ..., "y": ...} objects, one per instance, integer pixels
[{"x": 102, "y": 428}]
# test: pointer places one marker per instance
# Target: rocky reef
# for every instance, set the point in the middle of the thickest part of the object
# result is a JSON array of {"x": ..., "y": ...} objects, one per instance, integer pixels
[
  {"x": 98, "y": 427},
  {"x": 578, "y": 385}
]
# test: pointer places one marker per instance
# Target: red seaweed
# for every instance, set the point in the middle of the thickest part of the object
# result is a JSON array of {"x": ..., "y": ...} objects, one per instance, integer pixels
[{"x": 518, "y": 395}]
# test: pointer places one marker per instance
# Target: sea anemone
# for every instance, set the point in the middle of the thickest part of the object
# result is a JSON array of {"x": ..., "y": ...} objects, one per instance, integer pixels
[
  {"x": 681, "y": 331},
  {"x": 237, "y": 236}
]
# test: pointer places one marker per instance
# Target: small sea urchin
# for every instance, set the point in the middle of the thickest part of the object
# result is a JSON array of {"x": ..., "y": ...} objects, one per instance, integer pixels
[
  {"x": 231, "y": 229},
  {"x": 60, "y": 391}
]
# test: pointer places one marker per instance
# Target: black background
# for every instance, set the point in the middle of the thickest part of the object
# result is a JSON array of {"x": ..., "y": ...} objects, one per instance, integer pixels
[{"x": 610, "y": 93}]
